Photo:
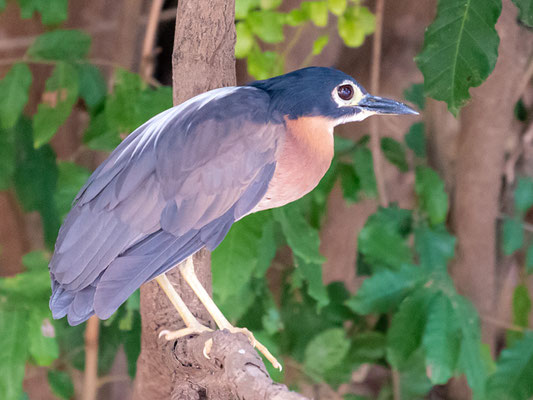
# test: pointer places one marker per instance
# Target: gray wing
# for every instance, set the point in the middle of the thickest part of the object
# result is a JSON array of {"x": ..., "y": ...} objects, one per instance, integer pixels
[{"x": 173, "y": 186}]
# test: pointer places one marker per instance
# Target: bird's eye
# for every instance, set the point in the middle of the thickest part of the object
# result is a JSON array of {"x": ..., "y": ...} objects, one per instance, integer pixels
[{"x": 345, "y": 92}]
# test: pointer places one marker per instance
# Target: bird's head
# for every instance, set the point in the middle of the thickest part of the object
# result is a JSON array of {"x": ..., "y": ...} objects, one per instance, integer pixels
[{"x": 326, "y": 92}]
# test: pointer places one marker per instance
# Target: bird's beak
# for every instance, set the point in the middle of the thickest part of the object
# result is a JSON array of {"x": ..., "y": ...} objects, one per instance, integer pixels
[{"x": 380, "y": 105}]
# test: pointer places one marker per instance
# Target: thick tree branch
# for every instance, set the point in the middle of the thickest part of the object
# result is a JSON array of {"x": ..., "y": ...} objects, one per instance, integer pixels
[{"x": 203, "y": 59}]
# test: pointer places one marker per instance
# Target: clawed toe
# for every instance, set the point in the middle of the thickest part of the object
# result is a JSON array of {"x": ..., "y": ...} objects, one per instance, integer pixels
[{"x": 173, "y": 335}]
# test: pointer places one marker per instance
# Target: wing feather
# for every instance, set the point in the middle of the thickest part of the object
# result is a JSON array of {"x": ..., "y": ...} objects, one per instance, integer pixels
[{"x": 173, "y": 186}]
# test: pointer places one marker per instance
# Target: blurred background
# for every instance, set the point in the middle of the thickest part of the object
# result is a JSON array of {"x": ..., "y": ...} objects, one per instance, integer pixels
[{"x": 420, "y": 289}]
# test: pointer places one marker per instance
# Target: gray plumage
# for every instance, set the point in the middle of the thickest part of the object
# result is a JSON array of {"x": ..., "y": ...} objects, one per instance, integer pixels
[{"x": 172, "y": 187}]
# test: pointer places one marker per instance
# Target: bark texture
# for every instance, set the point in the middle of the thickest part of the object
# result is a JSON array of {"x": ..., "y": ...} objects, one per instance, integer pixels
[
  {"x": 486, "y": 124},
  {"x": 203, "y": 59}
]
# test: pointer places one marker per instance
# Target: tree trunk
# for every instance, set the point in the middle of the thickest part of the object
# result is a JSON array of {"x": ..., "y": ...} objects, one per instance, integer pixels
[{"x": 486, "y": 124}]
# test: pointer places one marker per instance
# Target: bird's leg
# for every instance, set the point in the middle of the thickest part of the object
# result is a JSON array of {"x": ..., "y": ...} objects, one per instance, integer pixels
[
  {"x": 187, "y": 271},
  {"x": 190, "y": 321}
]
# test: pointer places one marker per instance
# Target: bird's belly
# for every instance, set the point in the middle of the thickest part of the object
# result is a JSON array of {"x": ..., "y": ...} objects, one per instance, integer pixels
[
  {"x": 303, "y": 160},
  {"x": 289, "y": 183}
]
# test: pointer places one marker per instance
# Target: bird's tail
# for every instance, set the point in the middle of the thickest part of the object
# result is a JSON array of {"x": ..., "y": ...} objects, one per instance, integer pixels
[{"x": 152, "y": 256}]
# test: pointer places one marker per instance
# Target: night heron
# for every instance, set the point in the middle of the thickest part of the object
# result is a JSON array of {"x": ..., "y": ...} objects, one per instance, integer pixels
[{"x": 177, "y": 184}]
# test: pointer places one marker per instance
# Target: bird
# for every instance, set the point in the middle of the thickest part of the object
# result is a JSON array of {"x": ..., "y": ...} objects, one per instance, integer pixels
[{"x": 177, "y": 183}]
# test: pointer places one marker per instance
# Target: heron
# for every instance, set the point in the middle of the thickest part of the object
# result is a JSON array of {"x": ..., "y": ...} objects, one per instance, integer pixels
[{"x": 178, "y": 182}]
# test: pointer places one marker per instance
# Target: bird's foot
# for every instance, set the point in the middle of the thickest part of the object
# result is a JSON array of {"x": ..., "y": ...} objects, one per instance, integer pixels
[
  {"x": 260, "y": 347},
  {"x": 194, "y": 329}
]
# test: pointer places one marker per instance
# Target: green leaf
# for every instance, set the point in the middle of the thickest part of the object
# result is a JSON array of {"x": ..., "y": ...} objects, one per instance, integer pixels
[
  {"x": 431, "y": 194},
  {"x": 471, "y": 360},
  {"x": 52, "y": 11},
  {"x": 61, "y": 44},
  {"x": 7, "y": 157},
  {"x": 59, "y": 98},
  {"x": 529, "y": 259},
  {"x": 296, "y": 17},
  {"x": 264, "y": 64},
  {"x": 460, "y": 49},
  {"x": 319, "y": 44},
  {"x": 61, "y": 384},
  {"x": 312, "y": 273},
  {"x": 337, "y": 7},
  {"x": 407, "y": 327},
  {"x": 415, "y": 139},
  {"x": 364, "y": 167},
  {"x": 525, "y": 8},
  {"x": 380, "y": 242},
  {"x": 435, "y": 247},
  {"x": 355, "y": 24},
  {"x": 368, "y": 347},
  {"x": 523, "y": 194},
  {"x": 395, "y": 153},
  {"x": 13, "y": 353},
  {"x": 43, "y": 345},
  {"x": 240, "y": 247},
  {"x": 153, "y": 102},
  {"x": 122, "y": 106},
  {"x": 245, "y": 40},
  {"x": 317, "y": 11},
  {"x": 2, "y": 5},
  {"x": 512, "y": 236},
  {"x": 99, "y": 135},
  {"x": 35, "y": 179},
  {"x": 71, "y": 178},
  {"x": 15, "y": 88},
  {"x": 351, "y": 185},
  {"x": 36, "y": 260},
  {"x": 521, "y": 307},
  {"x": 270, "y": 4},
  {"x": 441, "y": 340},
  {"x": 301, "y": 237},
  {"x": 414, "y": 383},
  {"x": 267, "y": 25},
  {"x": 243, "y": 6},
  {"x": 325, "y": 351},
  {"x": 384, "y": 290},
  {"x": 512, "y": 380},
  {"x": 93, "y": 88},
  {"x": 415, "y": 94},
  {"x": 15, "y": 289}
]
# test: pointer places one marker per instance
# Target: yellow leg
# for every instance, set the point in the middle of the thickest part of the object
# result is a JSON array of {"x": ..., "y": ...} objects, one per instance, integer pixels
[
  {"x": 191, "y": 323},
  {"x": 187, "y": 271}
]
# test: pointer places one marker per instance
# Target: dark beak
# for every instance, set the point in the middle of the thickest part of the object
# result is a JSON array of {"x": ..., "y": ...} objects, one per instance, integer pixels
[{"x": 380, "y": 105}]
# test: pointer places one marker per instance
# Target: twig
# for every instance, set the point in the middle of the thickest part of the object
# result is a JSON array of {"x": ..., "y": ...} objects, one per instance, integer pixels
[
  {"x": 396, "y": 388},
  {"x": 90, "y": 384},
  {"x": 503, "y": 324},
  {"x": 104, "y": 380},
  {"x": 525, "y": 225},
  {"x": 528, "y": 74},
  {"x": 22, "y": 42},
  {"x": 375, "y": 146},
  {"x": 147, "y": 60}
]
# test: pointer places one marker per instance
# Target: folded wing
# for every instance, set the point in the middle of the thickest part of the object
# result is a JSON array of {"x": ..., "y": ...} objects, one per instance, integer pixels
[{"x": 172, "y": 187}]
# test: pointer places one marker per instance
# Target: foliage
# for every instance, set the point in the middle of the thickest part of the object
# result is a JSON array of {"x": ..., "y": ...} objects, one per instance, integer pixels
[
  {"x": 260, "y": 21},
  {"x": 406, "y": 316},
  {"x": 460, "y": 49}
]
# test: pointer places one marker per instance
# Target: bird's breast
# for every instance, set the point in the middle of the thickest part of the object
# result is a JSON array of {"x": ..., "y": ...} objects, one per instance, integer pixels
[{"x": 302, "y": 161}]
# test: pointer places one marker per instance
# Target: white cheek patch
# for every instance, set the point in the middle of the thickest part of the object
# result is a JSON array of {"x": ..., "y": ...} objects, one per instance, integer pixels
[{"x": 361, "y": 115}]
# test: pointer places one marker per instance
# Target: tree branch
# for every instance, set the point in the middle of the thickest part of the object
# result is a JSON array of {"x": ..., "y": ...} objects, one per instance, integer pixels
[
  {"x": 90, "y": 383},
  {"x": 233, "y": 369}
]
